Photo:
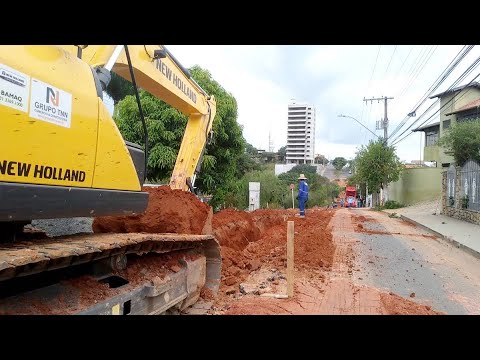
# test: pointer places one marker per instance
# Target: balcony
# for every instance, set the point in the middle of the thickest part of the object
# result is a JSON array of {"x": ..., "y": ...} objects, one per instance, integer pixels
[{"x": 295, "y": 143}]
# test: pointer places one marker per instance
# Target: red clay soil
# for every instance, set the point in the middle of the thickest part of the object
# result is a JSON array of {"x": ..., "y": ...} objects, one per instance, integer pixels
[
  {"x": 169, "y": 211},
  {"x": 266, "y": 245},
  {"x": 207, "y": 294},
  {"x": 234, "y": 229},
  {"x": 390, "y": 304},
  {"x": 396, "y": 305}
]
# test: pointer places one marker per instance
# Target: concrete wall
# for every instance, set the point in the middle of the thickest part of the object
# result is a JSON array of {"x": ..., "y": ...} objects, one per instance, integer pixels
[
  {"x": 283, "y": 168},
  {"x": 436, "y": 153},
  {"x": 417, "y": 185}
]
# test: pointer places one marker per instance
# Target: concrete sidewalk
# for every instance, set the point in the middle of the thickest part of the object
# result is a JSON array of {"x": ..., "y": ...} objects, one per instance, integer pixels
[{"x": 462, "y": 234}]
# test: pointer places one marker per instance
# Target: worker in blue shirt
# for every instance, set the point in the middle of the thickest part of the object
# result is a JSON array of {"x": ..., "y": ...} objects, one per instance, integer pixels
[{"x": 302, "y": 194}]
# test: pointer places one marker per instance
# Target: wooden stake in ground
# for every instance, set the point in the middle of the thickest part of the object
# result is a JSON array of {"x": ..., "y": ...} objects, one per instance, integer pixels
[{"x": 290, "y": 236}]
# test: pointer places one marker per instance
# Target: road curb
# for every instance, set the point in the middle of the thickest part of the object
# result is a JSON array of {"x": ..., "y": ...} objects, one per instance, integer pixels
[{"x": 444, "y": 237}]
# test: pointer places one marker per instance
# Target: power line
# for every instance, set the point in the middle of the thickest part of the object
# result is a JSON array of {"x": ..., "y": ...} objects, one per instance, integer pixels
[
  {"x": 420, "y": 68},
  {"x": 443, "y": 76},
  {"x": 447, "y": 103},
  {"x": 368, "y": 85},
  {"x": 374, "y": 66},
  {"x": 459, "y": 79},
  {"x": 391, "y": 57},
  {"x": 401, "y": 67},
  {"x": 413, "y": 67},
  {"x": 368, "y": 117}
]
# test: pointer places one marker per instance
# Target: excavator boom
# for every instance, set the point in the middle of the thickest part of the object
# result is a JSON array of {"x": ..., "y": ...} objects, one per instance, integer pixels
[{"x": 158, "y": 72}]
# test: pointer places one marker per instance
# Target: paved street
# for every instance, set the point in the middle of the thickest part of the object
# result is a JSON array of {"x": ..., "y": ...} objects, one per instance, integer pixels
[
  {"x": 329, "y": 172},
  {"x": 397, "y": 256}
]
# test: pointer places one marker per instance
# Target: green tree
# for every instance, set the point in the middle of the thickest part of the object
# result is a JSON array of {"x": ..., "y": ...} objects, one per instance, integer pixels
[
  {"x": 339, "y": 163},
  {"x": 320, "y": 159},
  {"x": 377, "y": 165},
  {"x": 462, "y": 141},
  {"x": 248, "y": 161},
  {"x": 166, "y": 126},
  {"x": 251, "y": 150},
  {"x": 282, "y": 152},
  {"x": 118, "y": 88}
]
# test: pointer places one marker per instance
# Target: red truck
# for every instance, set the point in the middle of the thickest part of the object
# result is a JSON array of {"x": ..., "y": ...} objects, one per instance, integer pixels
[{"x": 351, "y": 191}]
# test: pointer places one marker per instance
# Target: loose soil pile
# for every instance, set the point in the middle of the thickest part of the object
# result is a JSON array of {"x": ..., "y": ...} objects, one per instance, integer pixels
[
  {"x": 251, "y": 240},
  {"x": 396, "y": 305},
  {"x": 169, "y": 211}
]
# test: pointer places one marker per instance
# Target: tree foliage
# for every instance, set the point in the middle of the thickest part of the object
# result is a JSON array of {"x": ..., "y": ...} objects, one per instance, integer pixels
[
  {"x": 118, "y": 88},
  {"x": 377, "y": 165},
  {"x": 224, "y": 158},
  {"x": 320, "y": 159},
  {"x": 339, "y": 163},
  {"x": 282, "y": 152},
  {"x": 462, "y": 141}
]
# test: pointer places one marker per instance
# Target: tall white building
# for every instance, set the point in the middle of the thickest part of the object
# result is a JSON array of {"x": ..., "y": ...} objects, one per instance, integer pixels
[{"x": 301, "y": 133}]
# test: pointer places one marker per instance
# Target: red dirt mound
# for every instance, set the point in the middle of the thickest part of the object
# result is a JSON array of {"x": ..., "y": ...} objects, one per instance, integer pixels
[
  {"x": 234, "y": 229},
  {"x": 313, "y": 241},
  {"x": 396, "y": 305},
  {"x": 169, "y": 211}
]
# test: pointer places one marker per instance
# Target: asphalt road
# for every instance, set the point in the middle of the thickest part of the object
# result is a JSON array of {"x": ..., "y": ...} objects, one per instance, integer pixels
[
  {"x": 406, "y": 260},
  {"x": 329, "y": 172}
]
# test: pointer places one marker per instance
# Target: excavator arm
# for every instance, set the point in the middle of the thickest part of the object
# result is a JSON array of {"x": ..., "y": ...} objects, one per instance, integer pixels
[{"x": 158, "y": 72}]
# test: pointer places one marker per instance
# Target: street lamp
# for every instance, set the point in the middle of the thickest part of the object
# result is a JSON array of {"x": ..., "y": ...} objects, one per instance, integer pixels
[{"x": 347, "y": 116}]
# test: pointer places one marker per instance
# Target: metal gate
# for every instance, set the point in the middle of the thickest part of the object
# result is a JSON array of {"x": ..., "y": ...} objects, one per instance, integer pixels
[
  {"x": 470, "y": 177},
  {"x": 451, "y": 174}
]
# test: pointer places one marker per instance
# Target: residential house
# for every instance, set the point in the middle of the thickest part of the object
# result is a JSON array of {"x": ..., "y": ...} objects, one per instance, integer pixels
[{"x": 458, "y": 104}]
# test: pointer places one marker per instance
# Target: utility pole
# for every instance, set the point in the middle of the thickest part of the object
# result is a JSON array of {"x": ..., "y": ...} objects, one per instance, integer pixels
[
  {"x": 385, "y": 120},
  {"x": 383, "y": 126}
]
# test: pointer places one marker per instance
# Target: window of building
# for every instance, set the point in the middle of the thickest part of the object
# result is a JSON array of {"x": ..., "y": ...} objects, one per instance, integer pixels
[
  {"x": 431, "y": 138},
  {"x": 468, "y": 115},
  {"x": 446, "y": 124}
]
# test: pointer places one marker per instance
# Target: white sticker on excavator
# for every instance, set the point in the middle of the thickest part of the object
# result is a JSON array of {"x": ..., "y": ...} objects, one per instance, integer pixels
[
  {"x": 51, "y": 104},
  {"x": 14, "y": 88}
]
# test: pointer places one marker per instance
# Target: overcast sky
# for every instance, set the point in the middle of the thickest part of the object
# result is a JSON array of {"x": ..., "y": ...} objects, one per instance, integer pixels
[{"x": 335, "y": 79}]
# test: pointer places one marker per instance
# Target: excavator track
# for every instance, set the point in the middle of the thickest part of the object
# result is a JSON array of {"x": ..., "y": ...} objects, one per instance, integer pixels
[{"x": 27, "y": 259}]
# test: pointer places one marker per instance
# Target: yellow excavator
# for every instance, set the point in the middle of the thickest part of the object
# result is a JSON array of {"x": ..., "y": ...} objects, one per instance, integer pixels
[{"x": 62, "y": 156}]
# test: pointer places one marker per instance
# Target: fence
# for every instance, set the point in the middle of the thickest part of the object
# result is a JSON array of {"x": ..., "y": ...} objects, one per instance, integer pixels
[
  {"x": 461, "y": 195},
  {"x": 451, "y": 175},
  {"x": 470, "y": 177}
]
